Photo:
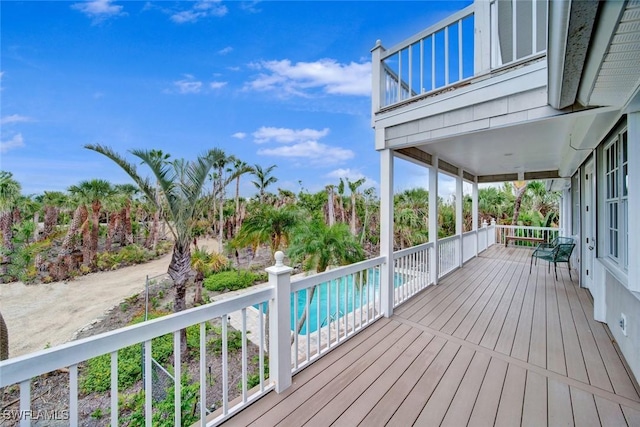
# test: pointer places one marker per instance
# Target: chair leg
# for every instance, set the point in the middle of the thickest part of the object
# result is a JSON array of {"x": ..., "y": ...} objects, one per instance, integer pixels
[
  {"x": 569, "y": 266},
  {"x": 531, "y": 265},
  {"x": 555, "y": 269}
]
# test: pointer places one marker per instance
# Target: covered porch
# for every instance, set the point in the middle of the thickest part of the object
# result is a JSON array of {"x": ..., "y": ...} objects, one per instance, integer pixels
[{"x": 491, "y": 344}]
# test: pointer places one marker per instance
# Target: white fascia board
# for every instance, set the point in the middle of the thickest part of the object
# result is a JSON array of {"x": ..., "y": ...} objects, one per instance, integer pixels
[{"x": 523, "y": 79}]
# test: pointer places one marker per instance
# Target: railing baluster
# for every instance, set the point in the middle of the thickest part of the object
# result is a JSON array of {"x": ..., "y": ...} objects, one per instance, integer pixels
[
  {"x": 25, "y": 402},
  {"x": 148, "y": 414},
  {"x": 177, "y": 380},
  {"x": 422, "y": 66},
  {"x": 225, "y": 367},
  {"x": 296, "y": 296},
  {"x": 114, "y": 389},
  {"x": 73, "y": 395},
  {"x": 446, "y": 56},
  {"x": 460, "y": 76},
  {"x": 261, "y": 354},
  {"x": 203, "y": 371},
  {"x": 318, "y": 324},
  {"x": 329, "y": 283},
  {"x": 306, "y": 307},
  {"x": 337, "y": 310},
  {"x": 433, "y": 61},
  {"x": 244, "y": 355}
]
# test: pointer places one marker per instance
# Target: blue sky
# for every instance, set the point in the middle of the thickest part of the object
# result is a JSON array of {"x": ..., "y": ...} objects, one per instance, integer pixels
[{"x": 271, "y": 82}]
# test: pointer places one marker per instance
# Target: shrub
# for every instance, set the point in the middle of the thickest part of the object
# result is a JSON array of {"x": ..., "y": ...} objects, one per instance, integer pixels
[{"x": 231, "y": 280}]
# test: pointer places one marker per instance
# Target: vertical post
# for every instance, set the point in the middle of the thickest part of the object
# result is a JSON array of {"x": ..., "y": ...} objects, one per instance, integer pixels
[
  {"x": 493, "y": 233},
  {"x": 280, "y": 324},
  {"x": 482, "y": 36},
  {"x": 433, "y": 218},
  {"x": 633, "y": 201},
  {"x": 386, "y": 231},
  {"x": 486, "y": 235},
  {"x": 459, "y": 215},
  {"x": 474, "y": 210},
  {"x": 376, "y": 79}
]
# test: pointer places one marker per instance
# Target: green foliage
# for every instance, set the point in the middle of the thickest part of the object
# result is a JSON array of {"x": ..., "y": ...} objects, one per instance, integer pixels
[
  {"x": 23, "y": 256},
  {"x": 234, "y": 340},
  {"x": 97, "y": 375},
  {"x": 131, "y": 254},
  {"x": 163, "y": 411},
  {"x": 230, "y": 280},
  {"x": 253, "y": 380}
]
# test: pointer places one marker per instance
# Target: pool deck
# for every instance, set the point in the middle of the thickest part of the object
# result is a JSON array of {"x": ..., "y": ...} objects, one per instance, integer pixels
[{"x": 490, "y": 345}]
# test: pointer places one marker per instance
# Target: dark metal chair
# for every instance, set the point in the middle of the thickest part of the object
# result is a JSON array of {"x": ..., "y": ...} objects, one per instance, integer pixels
[{"x": 559, "y": 250}]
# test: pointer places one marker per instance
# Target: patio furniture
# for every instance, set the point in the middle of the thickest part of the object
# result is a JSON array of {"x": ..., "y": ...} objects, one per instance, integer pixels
[{"x": 559, "y": 250}]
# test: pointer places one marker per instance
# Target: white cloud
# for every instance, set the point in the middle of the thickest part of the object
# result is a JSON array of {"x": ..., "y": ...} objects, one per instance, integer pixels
[
  {"x": 217, "y": 85},
  {"x": 188, "y": 85},
  {"x": 14, "y": 118},
  {"x": 199, "y": 10},
  {"x": 225, "y": 51},
  {"x": 287, "y": 136},
  {"x": 302, "y": 77},
  {"x": 239, "y": 135},
  {"x": 314, "y": 151},
  {"x": 99, "y": 10},
  {"x": 251, "y": 6},
  {"x": 16, "y": 142}
]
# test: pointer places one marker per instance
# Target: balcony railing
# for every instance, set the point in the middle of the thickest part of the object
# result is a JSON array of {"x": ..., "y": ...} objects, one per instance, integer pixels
[
  {"x": 525, "y": 236},
  {"x": 482, "y": 37},
  {"x": 266, "y": 321}
]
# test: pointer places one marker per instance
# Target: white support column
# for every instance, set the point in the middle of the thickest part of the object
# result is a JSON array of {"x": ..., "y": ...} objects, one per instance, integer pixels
[
  {"x": 633, "y": 201},
  {"x": 280, "y": 324},
  {"x": 474, "y": 211},
  {"x": 386, "y": 230},
  {"x": 433, "y": 218},
  {"x": 459, "y": 217}
]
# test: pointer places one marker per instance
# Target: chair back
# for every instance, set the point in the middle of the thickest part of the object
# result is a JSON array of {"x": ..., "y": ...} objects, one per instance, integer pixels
[
  {"x": 562, "y": 240},
  {"x": 563, "y": 252}
]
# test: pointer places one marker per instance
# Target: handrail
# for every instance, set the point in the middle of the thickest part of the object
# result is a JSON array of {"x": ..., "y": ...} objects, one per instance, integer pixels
[
  {"x": 27, "y": 366},
  {"x": 408, "y": 251},
  {"x": 430, "y": 30},
  {"x": 309, "y": 281}
]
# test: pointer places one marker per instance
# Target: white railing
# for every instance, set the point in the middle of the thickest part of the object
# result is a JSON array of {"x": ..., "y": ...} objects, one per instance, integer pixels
[
  {"x": 435, "y": 58},
  {"x": 469, "y": 245},
  {"x": 448, "y": 255},
  {"x": 73, "y": 363},
  {"x": 411, "y": 272},
  {"x": 524, "y": 236},
  {"x": 482, "y": 37},
  {"x": 330, "y": 307}
]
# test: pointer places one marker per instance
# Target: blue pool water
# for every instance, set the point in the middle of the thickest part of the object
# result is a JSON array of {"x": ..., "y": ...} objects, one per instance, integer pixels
[{"x": 337, "y": 298}]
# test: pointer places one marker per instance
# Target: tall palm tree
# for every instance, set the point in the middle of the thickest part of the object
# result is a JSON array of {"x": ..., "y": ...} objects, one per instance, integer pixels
[
  {"x": 331, "y": 216},
  {"x": 160, "y": 157},
  {"x": 239, "y": 168},
  {"x": 318, "y": 246},
  {"x": 52, "y": 201},
  {"x": 519, "y": 189},
  {"x": 263, "y": 179},
  {"x": 353, "y": 186},
  {"x": 9, "y": 194},
  {"x": 126, "y": 193},
  {"x": 93, "y": 193},
  {"x": 181, "y": 184}
]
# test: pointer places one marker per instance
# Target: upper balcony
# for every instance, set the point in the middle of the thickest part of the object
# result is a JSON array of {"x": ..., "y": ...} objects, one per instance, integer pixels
[{"x": 482, "y": 39}]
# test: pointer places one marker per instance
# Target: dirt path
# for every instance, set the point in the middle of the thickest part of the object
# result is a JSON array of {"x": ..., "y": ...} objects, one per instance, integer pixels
[{"x": 49, "y": 314}]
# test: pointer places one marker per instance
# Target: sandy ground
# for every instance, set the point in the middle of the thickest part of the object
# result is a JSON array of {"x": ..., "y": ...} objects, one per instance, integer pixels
[{"x": 49, "y": 314}]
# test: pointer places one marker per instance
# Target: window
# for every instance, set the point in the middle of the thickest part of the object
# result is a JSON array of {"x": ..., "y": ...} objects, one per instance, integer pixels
[{"x": 616, "y": 191}]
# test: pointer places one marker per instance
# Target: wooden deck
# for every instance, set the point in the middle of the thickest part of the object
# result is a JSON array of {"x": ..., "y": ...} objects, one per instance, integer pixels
[{"x": 490, "y": 345}]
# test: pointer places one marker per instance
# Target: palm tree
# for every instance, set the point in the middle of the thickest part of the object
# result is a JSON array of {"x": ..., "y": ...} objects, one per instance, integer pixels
[
  {"x": 9, "y": 194},
  {"x": 268, "y": 224},
  {"x": 205, "y": 263},
  {"x": 181, "y": 184},
  {"x": 317, "y": 246},
  {"x": 126, "y": 193},
  {"x": 353, "y": 186},
  {"x": 160, "y": 157},
  {"x": 92, "y": 193},
  {"x": 52, "y": 201},
  {"x": 331, "y": 217},
  {"x": 263, "y": 179},
  {"x": 519, "y": 188},
  {"x": 239, "y": 168}
]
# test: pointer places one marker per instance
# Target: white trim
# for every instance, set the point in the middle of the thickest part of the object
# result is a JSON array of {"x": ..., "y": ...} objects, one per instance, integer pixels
[{"x": 633, "y": 201}]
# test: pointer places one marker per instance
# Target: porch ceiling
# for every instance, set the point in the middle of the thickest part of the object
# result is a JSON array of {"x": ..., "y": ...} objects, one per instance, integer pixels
[{"x": 538, "y": 149}]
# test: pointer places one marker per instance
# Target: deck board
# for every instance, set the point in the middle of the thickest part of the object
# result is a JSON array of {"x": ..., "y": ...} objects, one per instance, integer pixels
[{"x": 491, "y": 344}]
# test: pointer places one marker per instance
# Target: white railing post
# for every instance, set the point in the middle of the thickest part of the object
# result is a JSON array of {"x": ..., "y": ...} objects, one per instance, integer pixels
[
  {"x": 459, "y": 215},
  {"x": 376, "y": 78},
  {"x": 433, "y": 218},
  {"x": 280, "y": 324},
  {"x": 474, "y": 212},
  {"x": 386, "y": 231},
  {"x": 486, "y": 234},
  {"x": 493, "y": 230}
]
